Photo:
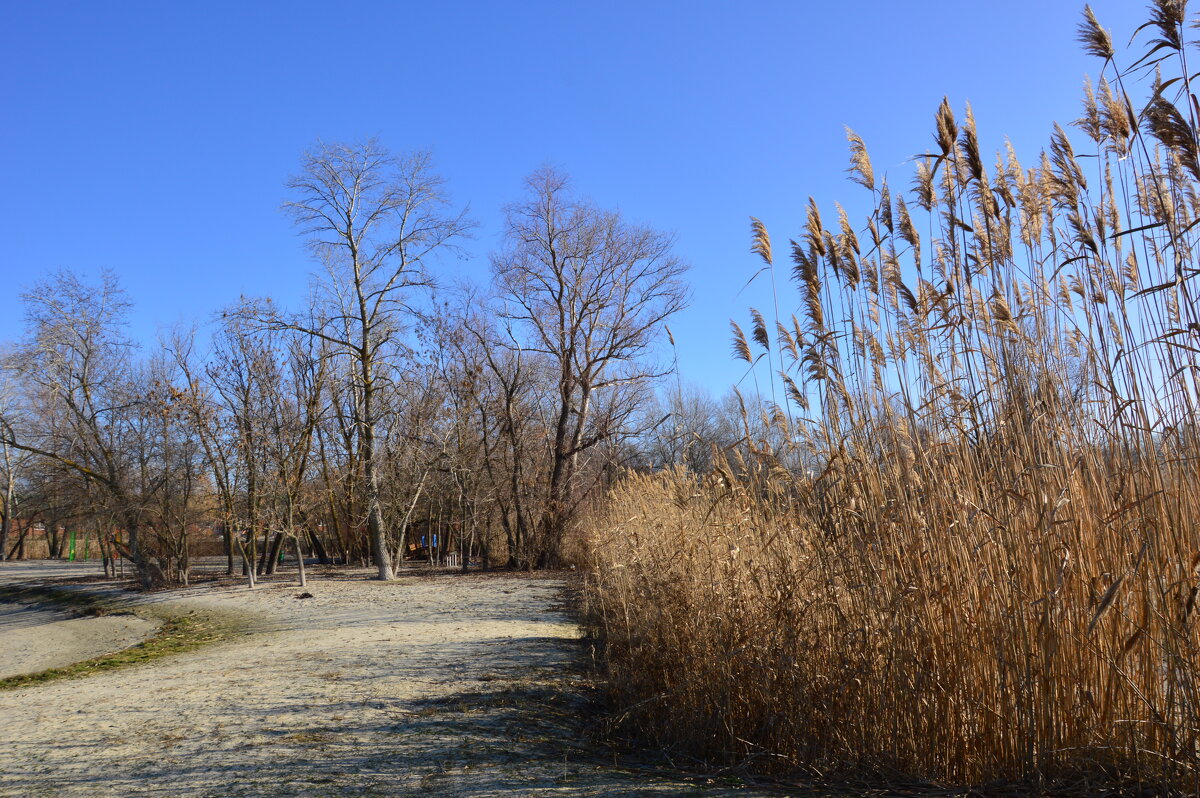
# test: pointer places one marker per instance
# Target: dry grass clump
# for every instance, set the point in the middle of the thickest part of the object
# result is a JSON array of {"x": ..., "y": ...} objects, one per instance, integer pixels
[{"x": 987, "y": 566}]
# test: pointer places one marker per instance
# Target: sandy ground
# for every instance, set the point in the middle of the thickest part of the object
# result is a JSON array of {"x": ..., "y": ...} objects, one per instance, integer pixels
[
  {"x": 36, "y": 638},
  {"x": 431, "y": 685}
]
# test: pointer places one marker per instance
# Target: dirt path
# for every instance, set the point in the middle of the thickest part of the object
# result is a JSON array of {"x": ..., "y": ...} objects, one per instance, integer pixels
[{"x": 432, "y": 685}]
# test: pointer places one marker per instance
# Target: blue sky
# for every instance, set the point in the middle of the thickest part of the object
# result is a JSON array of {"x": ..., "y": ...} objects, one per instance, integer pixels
[{"x": 154, "y": 139}]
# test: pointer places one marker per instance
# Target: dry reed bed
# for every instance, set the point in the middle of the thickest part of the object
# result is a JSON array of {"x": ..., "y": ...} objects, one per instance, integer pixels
[{"x": 966, "y": 549}]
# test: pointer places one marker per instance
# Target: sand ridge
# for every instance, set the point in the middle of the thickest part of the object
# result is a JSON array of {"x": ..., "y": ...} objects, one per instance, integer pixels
[{"x": 36, "y": 638}]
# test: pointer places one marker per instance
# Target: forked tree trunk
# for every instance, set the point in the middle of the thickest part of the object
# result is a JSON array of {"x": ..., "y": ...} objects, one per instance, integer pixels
[{"x": 247, "y": 564}]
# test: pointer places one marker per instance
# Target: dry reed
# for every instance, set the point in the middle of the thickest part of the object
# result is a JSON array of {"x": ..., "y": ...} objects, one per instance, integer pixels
[{"x": 989, "y": 569}]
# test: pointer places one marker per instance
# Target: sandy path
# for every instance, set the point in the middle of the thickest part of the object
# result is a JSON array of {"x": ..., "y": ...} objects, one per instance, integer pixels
[{"x": 441, "y": 685}]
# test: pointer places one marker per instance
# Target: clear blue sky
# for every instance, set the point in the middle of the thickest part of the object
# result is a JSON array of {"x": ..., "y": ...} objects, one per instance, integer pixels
[{"x": 154, "y": 139}]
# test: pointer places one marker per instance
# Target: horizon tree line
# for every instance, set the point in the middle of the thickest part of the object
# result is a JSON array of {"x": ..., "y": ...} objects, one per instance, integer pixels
[{"x": 346, "y": 427}]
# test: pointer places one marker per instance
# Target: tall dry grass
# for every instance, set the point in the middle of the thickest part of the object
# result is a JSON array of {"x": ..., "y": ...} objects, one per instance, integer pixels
[{"x": 991, "y": 570}]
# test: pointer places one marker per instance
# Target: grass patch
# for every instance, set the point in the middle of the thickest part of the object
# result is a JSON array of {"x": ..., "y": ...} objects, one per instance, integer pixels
[{"x": 178, "y": 632}]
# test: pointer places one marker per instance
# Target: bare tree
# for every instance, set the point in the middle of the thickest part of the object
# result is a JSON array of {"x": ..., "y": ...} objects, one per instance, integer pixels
[
  {"x": 81, "y": 382},
  {"x": 293, "y": 413},
  {"x": 181, "y": 500},
  {"x": 685, "y": 425},
  {"x": 506, "y": 390},
  {"x": 414, "y": 446},
  {"x": 213, "y": 424},
  {"x": 242, "y": 376},
  {"x": 9, "y": 487},
  {"x": 12, "y": 463},
  {"x": 591, "y": 292},
  {"x": 374, "y": 220},
  {"x": 338, "y": 455}
]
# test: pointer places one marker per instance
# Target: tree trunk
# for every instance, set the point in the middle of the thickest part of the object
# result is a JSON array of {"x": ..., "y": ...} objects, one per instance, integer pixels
[
  {"x": 375, "y": 527},
  {"x": 300, "y": 561},
  {"x": 510, "y": 537},
  {"x": 318, "y": 547},
  {"x": 273, "y": 557},
  {"x": 52, "y": 540},
  {"x": 265, "y": 553},
  {"x": 5, "y": 525},
  {"x": 149, "y": 573},
  {"x": 228, "y": 536},
  {"x": 6, "y": 522},
  {"x": 247, "y": 564},
  {"x": 105, "y": 553},
  {"x": 18, "y": 550}
]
